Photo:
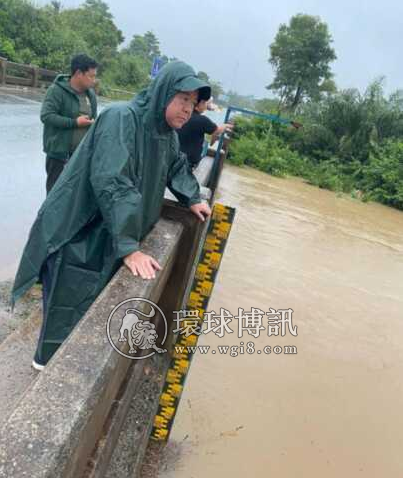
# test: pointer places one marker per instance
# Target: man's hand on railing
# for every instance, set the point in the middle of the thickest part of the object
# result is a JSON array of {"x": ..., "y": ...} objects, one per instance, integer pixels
[
  {"x": 224, "y": 128},
  {"x": 201, "y": 210},
  {"x": 142, "y": 265}
]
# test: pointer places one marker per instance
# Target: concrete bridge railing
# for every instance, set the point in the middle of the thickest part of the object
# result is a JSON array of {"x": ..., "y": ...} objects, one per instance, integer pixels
[
  {"x": 17, "y": 74},
  {"x": 24, "y": 75},
  {"x": 55, "y": 428}
]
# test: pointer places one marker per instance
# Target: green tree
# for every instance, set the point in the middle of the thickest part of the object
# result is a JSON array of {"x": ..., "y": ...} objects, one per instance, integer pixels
[
  {"x": 29, "y": 34},
  {"x": 267, "y": 105},
  {"x": 57, "y": 6},
  {"x": 152, "y": 44},
  {"x": 7, "y": 47},
  {"x": 328, "y": 86},
  {"x": 94, "y": 24},
  {"x": 27, "y": 31},
  {"x": 301, "y": 55},
  {"x": 64, "y": 45},
  {"x": 145, "y": 46},
  {"x": 126, "y": 71},
  {"x": 216, "y": 89}
]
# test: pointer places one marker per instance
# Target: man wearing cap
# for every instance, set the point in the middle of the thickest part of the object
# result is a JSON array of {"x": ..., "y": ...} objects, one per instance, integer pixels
[{"x": 107, "y": 199}]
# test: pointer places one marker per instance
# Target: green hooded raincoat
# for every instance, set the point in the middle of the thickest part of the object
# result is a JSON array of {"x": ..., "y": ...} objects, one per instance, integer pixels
[{"x": 107, "y": 199}]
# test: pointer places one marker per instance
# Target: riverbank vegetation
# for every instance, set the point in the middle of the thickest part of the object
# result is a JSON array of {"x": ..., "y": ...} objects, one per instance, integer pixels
[{"x": 349, "y": 142}]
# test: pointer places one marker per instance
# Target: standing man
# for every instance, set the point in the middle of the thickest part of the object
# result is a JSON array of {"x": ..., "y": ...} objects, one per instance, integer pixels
[
  {"x": 191, "y": 135},
  {"x": 68, "y": 110},
  {"x": 107, "y": 199}
]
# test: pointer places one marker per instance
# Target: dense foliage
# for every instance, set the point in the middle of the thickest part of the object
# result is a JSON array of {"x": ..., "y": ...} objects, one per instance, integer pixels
[
  {"x": 349, "y": 142},
  {"x": 49, "y": 36}
]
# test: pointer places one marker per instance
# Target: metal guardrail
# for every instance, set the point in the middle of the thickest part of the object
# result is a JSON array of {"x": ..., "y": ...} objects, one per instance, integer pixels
[{"x": 256, "y": 114}]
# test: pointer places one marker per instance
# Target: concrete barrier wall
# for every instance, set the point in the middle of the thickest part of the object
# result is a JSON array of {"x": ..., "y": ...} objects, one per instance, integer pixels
[{"x": 55, "y": 427}]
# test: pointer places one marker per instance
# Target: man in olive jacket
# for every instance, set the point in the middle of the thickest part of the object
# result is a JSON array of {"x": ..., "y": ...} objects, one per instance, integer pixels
[
  {"x": 107, "y": 199},
  {"x": 68, "y": 110}
]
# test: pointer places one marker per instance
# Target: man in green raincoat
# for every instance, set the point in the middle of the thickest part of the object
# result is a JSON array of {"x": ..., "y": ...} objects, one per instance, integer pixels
[{"x": 107, "y": 199}]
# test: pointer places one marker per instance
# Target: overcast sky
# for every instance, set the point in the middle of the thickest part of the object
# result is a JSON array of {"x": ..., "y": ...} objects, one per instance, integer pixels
[{"x": 229, "y": 39}]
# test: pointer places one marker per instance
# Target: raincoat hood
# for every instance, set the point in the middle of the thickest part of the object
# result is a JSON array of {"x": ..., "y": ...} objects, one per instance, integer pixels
[
  {"x": 64, "y": 82},
  {"x": 173, "y": 78}
]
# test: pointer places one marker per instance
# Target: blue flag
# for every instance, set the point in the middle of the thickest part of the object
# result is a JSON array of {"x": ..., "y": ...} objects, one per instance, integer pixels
[{"x": 157, "y": 64}]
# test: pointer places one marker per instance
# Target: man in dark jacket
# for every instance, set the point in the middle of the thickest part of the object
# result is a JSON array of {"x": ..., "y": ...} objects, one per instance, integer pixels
[
  {"x": 107, "y": 199},
  {"x": 68, "y": 110},
  {"x": 191, "y": 135}
]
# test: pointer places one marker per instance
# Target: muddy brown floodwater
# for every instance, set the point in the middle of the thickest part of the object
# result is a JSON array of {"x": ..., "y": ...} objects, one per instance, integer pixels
[{"x": 334, "y": 408}]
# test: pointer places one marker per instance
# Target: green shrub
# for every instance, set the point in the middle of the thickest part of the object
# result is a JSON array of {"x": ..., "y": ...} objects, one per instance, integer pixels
[{"x": 383, "y": 176}]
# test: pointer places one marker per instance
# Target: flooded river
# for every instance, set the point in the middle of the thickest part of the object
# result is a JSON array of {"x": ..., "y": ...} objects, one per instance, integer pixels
[{"x": 330, "y": 410}]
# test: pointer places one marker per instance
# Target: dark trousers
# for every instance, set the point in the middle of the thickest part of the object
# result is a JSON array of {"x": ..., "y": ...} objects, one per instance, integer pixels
[
  {"x": 54, "y": 168},
  {"x": 42, "y": 356}
]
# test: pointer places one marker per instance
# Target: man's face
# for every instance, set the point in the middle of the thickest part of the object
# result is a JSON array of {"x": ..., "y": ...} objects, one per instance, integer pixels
[
  {"x": 180, "y": 108},
  {"x": 87, "y": 78}
]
